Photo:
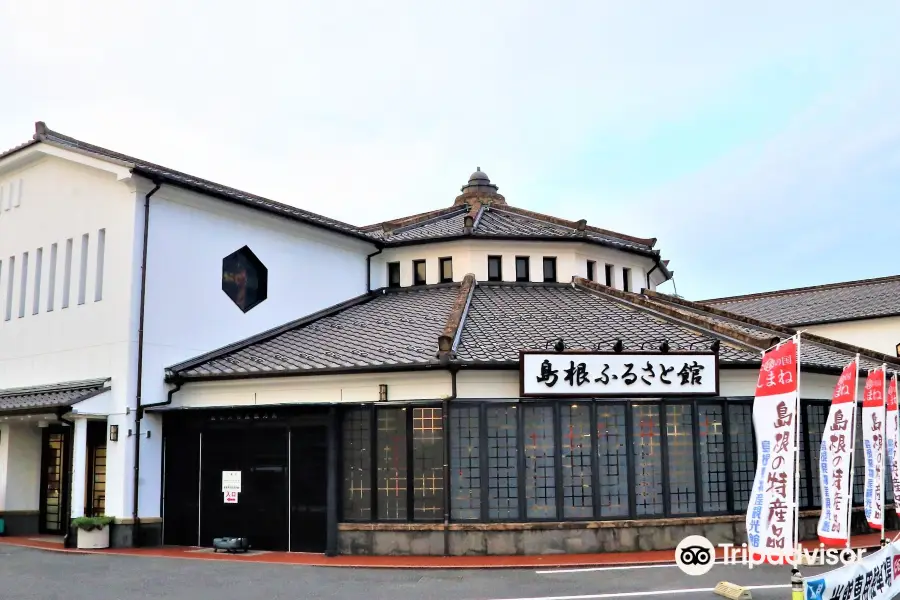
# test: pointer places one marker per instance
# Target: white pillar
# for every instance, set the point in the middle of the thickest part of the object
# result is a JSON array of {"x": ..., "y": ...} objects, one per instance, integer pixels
[
  {"x": 4, "y": 463},
  {"x": 79, "y": 467}
]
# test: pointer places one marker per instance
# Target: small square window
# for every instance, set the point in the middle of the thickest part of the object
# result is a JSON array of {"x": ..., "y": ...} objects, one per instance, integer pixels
[
  {"x": 419, "y": 272},
  {"x": 522, "y": 270},
  {"x": 393, "y": 275},
  {"x": 550, "y": 269},
  {"x": 495, "y": 268},
  {"x": 446, "y": 269},
  {"x": 591, "y": 267},
  {"x": 626, "y": 279},
  {"x": 609, "y": 275}
]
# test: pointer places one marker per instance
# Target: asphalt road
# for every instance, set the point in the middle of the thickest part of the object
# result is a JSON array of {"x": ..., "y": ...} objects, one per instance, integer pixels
[{"x": 27, "y": 574}]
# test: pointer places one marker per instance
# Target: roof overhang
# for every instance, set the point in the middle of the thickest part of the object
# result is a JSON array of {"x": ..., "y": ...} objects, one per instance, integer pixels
[{"x": 55, "y": 398}]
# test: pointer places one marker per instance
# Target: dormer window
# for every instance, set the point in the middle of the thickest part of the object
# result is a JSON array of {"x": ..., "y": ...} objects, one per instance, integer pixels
[
  {"x": 522, "y": 269},
  {"x": 609, "y": 275},
  {"x": 591, "y": 267},
  {"x": 550, "y": 269},
  {"x": 419, "y": 272},
  {"x": 495, "y": 268},
  {"x": 446, "y": 265},
  {"x": 393, "y": 275},
  {"x": 626, "y": 279}
]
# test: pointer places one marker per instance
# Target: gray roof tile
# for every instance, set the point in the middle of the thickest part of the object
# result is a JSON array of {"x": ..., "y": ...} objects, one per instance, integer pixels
[
  {"x": 864, "y": 299},
  {"x": 49, "y": 396}
]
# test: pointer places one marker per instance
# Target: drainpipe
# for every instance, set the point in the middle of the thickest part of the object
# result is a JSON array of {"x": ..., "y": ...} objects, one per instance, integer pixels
[
  {"x": 68, "y": 539},
  {"x": 139, "y": 413},
  {"x": 369, "y": 269},
  {"x": 650, "y": 272},
  {"x": 445, "y": 414}
]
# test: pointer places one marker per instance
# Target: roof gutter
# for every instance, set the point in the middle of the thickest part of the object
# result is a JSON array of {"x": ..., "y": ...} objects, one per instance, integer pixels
[
  {"x": 139, "y": 411},
  {"x": 369, "y": 269}
]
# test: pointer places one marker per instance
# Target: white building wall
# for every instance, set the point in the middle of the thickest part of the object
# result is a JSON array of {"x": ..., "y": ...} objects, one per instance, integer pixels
[
  {"x": 188, "y": 314},
  {"x": 881, "y": 335},
  {"x": 470, "y": 255},
  {"x": 20, "y": 467}
]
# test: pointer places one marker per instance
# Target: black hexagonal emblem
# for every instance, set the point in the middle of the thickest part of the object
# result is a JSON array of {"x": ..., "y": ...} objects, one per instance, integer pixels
[{"x": 244, "y": 279}]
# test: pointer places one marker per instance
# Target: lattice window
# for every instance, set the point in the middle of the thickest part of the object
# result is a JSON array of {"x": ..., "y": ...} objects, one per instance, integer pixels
[
  {"x": 428, "y": 463},
  {"x": 575, "y": 456},
  {"x": 391, "y": 463},
  {"x": 98, "y": 484},
  {"x": 612, "y": 457},
  {"x": 743, "y": 453},
  {"x": 680, "y": 452},
  {"x": 465, "y": 463},
  {"x": 814, "y": 425},
  {"x": 647, "y": 454},
  {"x": 713, "y": 468},
  {"x": 357, "y": 457},
  {"x": 503, "y": 481},
  {"x": 540, "y": 476}
]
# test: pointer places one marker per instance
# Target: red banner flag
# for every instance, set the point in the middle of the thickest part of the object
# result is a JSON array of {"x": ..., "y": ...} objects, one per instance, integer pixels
[{"x": 873, "y": 417}]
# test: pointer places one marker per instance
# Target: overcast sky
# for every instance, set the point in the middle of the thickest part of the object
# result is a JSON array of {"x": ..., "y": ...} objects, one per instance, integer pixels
[{"x": 759, "y": 141}]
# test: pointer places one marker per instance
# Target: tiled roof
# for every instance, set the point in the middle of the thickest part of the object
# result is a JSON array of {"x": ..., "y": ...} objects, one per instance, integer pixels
[
  {"x": 396, "y": 327},
  {"x": 864, "y": 299},
  {"x": 162, "y": 174},
  {"x": 50, "y": 396},
  {"x": 400, "y": 329},
  {"x": 447, "y": 223}
]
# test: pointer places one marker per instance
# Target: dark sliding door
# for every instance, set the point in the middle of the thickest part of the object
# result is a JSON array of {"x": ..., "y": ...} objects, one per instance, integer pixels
[{"x": 309, "y": 476}]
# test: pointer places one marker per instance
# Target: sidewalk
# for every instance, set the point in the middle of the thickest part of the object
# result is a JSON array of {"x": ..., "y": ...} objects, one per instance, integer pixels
[{"x": 543, "y": 561}]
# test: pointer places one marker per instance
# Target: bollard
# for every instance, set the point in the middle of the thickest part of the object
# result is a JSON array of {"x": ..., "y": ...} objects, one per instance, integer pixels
[{"x": 796, "y": 584}]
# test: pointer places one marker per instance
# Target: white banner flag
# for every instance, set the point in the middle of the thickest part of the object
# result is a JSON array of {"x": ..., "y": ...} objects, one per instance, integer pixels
[
  {"x": 875, "y": 577},
  {"x": 893, "y": 436},
  {"x": 872, "y": 424},
  {"x": 835, "y": 468},
  {"x": 772, "y": 508}
]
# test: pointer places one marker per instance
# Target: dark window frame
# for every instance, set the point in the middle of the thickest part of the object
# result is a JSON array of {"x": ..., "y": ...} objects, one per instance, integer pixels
[
  {"x": 626, "y": 279},
  {"x": 609, "y": 274},
  {"x": 445, "y": 260},
  {"x": 424, "y": 279},
  {"x": 255, "y": 278},
  {"x": 591, "y": 270},
  {"x": 497, "y": 260},
  {"x": 525, "y": 260},
  {"x": 390, "y": 267},
  {"x": 550, "y": 260}
]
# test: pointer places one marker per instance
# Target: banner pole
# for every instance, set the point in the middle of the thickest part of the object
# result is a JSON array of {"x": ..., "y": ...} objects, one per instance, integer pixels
[
  {"x": 799, "y": 408},
  {"x": 852, "y": 446},
  {"x": 883, "y": 446}
]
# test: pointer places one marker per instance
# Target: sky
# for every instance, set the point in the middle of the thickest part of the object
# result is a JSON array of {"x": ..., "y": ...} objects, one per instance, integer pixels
[{"x": 758, "y": 141}]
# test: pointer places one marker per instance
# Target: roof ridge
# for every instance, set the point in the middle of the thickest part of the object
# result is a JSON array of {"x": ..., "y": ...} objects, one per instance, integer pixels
[
  {"x": 172, "y": 372},
  {"x": 790, "y": 331},
  {"x": 449, "y": 337},
  {"x": 649, "y": 242},
  {"x": 801, "y": 290},
  {"x": 55, "y": 387},
  {"x": 403, "y": 221},
  {"x": 426, "y": 219}
]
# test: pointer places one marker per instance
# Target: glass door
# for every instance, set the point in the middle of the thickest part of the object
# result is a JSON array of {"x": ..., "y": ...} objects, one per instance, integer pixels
[{"x": 54, "y": 481}]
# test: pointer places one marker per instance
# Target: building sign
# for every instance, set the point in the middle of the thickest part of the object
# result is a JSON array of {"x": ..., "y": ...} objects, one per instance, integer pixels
[
  {"x": 231, "y": 481},
  {"x": 231, "y": 497},
  {"x": 836, "y": 452},
  {"x": 873, "y": 416},
  {"x": 773, "y": 502},
  {"x": 643, "y": 374}
]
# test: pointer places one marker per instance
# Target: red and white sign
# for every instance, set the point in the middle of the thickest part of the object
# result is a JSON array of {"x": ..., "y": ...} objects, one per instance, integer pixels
[
  {"x": 231, "y": 497},
  {"x": 771, "y": 512},
  {"x": 892, "y": 422},
  {"x": 835, "y": 472},
  {"x": 873, "y": 417}
]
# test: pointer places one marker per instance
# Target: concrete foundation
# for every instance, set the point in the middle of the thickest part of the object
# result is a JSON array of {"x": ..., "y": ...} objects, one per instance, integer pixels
[{"x": 21, "y": 522}]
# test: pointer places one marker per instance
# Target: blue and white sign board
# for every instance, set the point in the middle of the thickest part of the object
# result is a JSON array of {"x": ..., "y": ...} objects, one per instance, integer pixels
[{"x": 875, "y": 577}]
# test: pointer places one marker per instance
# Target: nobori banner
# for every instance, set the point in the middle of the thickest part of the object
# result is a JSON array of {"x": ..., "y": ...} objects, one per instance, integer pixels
[{"x": 642, "y": 374}]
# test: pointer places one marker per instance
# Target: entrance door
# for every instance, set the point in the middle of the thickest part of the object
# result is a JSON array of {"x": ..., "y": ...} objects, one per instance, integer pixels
[
  {"x": 309, "y": 477},
  {"x": 260, "y": 513},
  {"x": 54, "y": 508}
]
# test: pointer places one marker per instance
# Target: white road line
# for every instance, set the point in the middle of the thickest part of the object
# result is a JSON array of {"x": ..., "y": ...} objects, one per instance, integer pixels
[{"x": 654, "y": 593}]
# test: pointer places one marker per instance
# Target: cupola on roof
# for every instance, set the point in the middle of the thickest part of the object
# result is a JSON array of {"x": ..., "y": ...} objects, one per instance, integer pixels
[{"x": 479, "y": 182}]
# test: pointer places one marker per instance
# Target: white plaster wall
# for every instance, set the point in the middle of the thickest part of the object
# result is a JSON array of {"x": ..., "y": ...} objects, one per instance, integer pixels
[
  {"x": 470, "y": 256},
  {"x": 881, "y": 335},
  {"x": 23, "y": 467},
  {"x": 420, "y": 385}
]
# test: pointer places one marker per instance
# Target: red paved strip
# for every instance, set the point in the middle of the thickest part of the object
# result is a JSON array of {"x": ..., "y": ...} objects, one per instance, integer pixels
[{"x": 404, "y": 562}]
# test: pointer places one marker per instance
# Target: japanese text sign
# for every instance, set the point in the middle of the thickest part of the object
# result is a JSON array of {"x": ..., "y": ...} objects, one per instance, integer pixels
[
  {"x": 773, "y": 502},
  {"x": 835, "y": 473},
  {"x": 873, "y": 416},
  {"x": 618, "y": 374},
  {"x": 875, "y": 577},
  {"x": 892, "y": 422},
  {"x": 231, "y": 481}
]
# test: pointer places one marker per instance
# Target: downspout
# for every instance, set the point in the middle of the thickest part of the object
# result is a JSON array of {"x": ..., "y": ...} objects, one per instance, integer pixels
[
  {"x": 650, "y": 272},
  {"x": 445, "y": 414},
  {"x": 139, "y": 412},
  {"x": 369, "y": 269},
  {"x": 68, "y": 539}
]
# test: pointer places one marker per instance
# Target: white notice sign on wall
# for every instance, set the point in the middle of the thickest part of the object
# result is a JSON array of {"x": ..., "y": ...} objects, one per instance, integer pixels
[
  {"x": 645, "y": 374},
  {"x": 231, "y": 481}
]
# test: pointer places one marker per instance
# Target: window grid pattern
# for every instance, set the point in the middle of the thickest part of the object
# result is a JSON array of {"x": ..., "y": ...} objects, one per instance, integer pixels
[
  {"x": 503, "y": 481},
  {"x": 575, "y": 458},
  {"x": 647, "y": 455},
  {"x": 713, "y": 464},
  {"x": 816, "y": 414},
  {"x": 391, "y": 464},
  {"x": 540, "y": 473},
  {"x": 357, "y": 436},
  {"x": 680, "y": 454},
  {"x": 743, "y": 453},
  {"x": 428, "y": 463},
  {"x": 465, "y": 463},
  {"x": 612, "y": 457},
  {"x": 98, "y": 484}
]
